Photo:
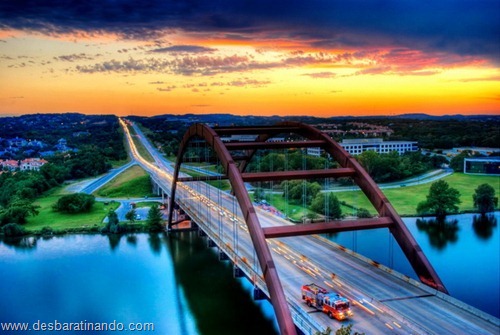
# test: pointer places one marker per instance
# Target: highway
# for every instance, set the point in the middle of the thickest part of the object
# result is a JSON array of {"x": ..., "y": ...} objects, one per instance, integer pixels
[{"x": 383, "y": 302}]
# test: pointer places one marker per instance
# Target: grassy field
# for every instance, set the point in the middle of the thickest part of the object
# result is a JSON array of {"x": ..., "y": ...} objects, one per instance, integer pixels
[
  {"x": 406, "y": 199},
  {"x": 61, "y": 221},
  {"x": 132, "y": 183}
]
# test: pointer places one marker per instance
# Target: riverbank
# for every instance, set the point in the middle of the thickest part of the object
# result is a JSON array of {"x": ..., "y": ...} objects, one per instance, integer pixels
[{"x": 50, "y": 222}]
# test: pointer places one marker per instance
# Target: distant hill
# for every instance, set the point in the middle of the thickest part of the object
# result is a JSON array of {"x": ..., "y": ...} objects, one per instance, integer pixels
[
  {"x": 226, "y": 119},
  {"x": 422, "y": 116}
]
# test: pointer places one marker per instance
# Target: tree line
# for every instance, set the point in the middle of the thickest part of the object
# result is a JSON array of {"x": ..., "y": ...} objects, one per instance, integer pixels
[{"x": 18, "y": 189}]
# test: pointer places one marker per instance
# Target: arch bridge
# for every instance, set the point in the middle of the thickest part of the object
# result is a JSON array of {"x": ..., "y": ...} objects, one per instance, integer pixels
[{"x": 235, "y": 158}]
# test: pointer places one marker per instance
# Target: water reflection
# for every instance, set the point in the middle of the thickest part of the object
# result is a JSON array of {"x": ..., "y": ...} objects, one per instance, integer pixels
[
  {"x": 440, "y": 233},
  {"x": 217, "y": 300},
  {"x": 26, "y": 243},
  {"x": 114, "y": 240},
  {"x": 179, "y": 284},
  {"x": 155, "y": 243},
  {"x": 483, "y": 225},
  {"x": 132, "y": 239}
]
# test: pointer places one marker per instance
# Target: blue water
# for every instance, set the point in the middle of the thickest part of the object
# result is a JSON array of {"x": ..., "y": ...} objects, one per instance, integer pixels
[
  {"x": 175, "y": 283},
  {"x": 179, "y": 285},
  {"x": 466, "y": 258}
]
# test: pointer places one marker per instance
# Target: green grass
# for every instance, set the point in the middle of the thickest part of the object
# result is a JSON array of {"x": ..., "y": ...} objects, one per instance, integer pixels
[
  {"x": 294, "y": 212},
  {"x": 61, "y": 221},
  {"x": 132, "y": 183},
  {"x": 406, "y": 199}
]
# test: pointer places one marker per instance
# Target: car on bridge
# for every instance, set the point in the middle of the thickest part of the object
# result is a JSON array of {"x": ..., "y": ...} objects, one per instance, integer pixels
[{"x": 330, "y": 303}]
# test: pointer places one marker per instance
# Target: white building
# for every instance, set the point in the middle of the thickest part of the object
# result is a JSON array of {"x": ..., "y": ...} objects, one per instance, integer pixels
[{"x": 358, "y": 146}]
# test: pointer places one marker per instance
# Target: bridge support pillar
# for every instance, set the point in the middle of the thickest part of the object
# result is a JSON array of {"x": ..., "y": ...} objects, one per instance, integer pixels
[
  {"x": 201, "y": 233},
  {"x": 237, "y": 272},
  {"x": 211, "y": 243},
  {"x": 156, "y": 188},
  {"x": 258, "y": 294},
  {"x": 223, "y": 256},
  {"x": 164, "y": 199}
]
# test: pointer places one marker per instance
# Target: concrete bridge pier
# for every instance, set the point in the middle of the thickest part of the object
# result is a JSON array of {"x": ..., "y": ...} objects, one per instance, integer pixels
[
  {"x": 156, "y": 188},
  {"x": 237, "y": 272}
]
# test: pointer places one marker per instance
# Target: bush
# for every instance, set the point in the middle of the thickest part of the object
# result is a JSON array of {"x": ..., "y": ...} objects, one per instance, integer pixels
[
  {"x": 47, "y": 231},
  {"x": 75, "y": 203},
  {"x": 363, "y": 213},
  {"x": 13, "y": 229}
]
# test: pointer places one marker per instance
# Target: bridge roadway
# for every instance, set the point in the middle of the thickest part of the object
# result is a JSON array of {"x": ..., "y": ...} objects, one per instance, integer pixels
[{"x": 384, "y": 302}]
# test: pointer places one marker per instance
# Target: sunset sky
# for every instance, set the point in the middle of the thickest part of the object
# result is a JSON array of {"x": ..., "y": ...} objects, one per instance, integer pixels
[{"x": 323, "y": 58}]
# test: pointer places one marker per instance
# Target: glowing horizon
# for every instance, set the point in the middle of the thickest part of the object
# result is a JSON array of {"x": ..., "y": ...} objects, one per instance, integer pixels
[{"x": 255, "y": 63}]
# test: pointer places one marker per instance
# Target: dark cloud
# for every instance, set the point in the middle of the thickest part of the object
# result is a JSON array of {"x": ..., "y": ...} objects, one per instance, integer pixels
[
  {"x": 187, "y": 65},
  {"x": 184, "y": 49},
  {"x": 129, "y": 65},
  {"x": 463, "y": 27},
  {"x": 492, "y": 78},
  {"x": 375, "y": 70},
  {"x": 75, "y": 57},
  {"x": 166, "y": 89},
  {"x": 248, "y": 82},
  {"x": 323, "y": 75}
]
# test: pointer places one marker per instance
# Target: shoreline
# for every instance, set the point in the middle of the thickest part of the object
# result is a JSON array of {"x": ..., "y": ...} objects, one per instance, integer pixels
[{"x": 143, "y": 228}]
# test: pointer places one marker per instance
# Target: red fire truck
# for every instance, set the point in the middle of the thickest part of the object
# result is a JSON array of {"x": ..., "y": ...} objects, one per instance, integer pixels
[{"x": 330, "y": 303}]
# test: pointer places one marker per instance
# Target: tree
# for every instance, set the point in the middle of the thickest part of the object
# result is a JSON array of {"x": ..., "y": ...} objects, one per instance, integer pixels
[
  {"x": 155, "y": 218},
  {"x": 363, "y": 213},
  {"x": 13, "y": 229},
  {"x": 74, "y": 203},
  {"x": 346, "y": 330},
  {"x": 441, "y": 200},
  {"x": 484, "y": 199},
  {"x": 131, "y": 215},
  {"x": 301, "y": 190},
  {"x": 334, "y": 210},
  {"x": 457, "y": 162},
  {"x": 259, "y": 194},
  {"x": 18, "y": 211},
  {"x": 113, "y": 225}
]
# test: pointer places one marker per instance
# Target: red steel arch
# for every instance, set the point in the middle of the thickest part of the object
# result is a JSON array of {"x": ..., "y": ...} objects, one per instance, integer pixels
[{"x": 349, "y": 167}]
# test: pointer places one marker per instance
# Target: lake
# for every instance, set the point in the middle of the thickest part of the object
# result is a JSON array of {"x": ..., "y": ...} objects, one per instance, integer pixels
[
  {"x": 178, "y": 284},
  {"x": 175, "y": 283},
  {"x": 466, "y": 255}
]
